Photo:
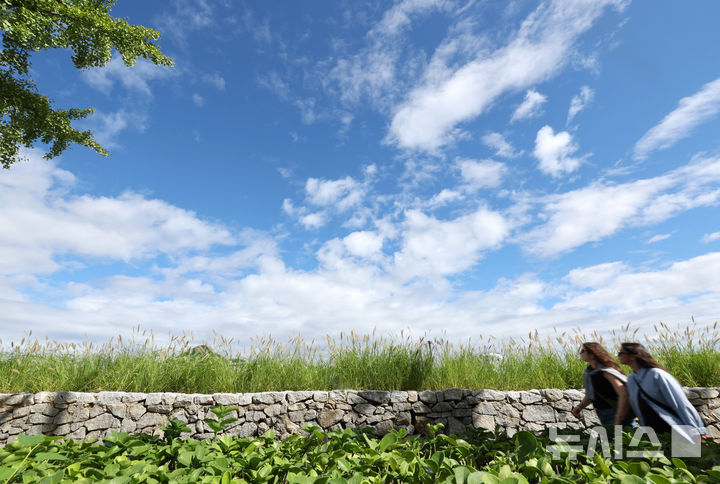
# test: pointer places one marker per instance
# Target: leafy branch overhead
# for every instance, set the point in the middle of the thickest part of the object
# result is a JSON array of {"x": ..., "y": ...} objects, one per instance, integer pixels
[{"x": 83, "y": 26}]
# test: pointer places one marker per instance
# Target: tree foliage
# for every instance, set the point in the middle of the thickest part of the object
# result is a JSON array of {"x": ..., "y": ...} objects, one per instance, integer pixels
[{"x": 83, "y": 26}]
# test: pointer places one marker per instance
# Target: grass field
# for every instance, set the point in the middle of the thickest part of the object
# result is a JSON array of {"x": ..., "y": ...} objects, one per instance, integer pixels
[{"x": 350, "y": 361}]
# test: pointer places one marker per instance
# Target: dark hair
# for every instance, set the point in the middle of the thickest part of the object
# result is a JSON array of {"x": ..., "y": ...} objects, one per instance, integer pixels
[
  {"x": 642, "y": 357},
  {"x": 601, "y": 355}
]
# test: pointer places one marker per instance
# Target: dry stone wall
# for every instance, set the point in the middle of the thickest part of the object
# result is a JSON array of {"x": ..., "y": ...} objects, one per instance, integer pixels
[{"x": 87, "y": 415}]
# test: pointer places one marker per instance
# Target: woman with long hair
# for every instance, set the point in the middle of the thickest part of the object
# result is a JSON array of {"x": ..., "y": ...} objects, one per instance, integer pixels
[
  {"x": 656, "y": 396},
  {"x": 604, "y": 384}
]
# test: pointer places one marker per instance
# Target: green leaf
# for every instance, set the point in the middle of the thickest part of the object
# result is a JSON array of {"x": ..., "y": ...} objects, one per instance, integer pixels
[
  {"x": 30, "y": 440},
  {"x": 482, "y": 477},
  {"x": 387, "y": 441},
  {"x": 461, "y": 474},
  {"x": 658, "y": 479},
  {"x": 678, "y": 463},
  {"x": 40, "y": 456}
]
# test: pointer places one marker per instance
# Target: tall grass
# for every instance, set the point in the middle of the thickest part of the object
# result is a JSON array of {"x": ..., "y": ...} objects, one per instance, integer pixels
[{"x": 351, "y": 361}]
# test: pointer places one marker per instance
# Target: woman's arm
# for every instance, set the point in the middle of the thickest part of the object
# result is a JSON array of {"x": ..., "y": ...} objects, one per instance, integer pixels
[
  {"x": 578, "y": 408},
  {"x": 623, "y": 401}
]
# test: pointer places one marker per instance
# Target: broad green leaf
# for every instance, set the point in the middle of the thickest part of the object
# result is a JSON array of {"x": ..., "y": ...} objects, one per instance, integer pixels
[
  {"x": 461, "y": 474},
  {"x": 678, "y": 463},
  {"x": 482, "y": 477},
  {"x": 387, "y": 441},
  {"x": 658, "y": 479},
  {"x": 30, "y": 440}
]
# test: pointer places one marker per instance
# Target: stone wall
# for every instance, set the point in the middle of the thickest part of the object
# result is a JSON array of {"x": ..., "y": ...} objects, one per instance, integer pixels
[{"x": 87, "y": 415}]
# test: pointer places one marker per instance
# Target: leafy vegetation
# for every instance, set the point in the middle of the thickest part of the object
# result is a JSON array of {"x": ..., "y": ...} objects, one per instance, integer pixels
[
  {"x": 336, "y": 457},
  {"x": 367, "y": 362}
]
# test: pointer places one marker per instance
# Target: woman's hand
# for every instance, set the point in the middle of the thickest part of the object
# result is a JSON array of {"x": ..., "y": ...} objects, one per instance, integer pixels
[{"x": 576, "y": 411}]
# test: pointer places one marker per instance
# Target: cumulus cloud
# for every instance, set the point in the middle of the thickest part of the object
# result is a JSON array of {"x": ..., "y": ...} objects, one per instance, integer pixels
[
  {"x": 531, "y": 106},
  {"x": 580, "y": 102},
  {"x": 434, "y": 248},
  {"x": 428, "y": 118},
  {"x": 691, "y": 112},
  {"x": 50, "y": 223},
  {"x": 501, "y": 146},
  {"x": 363, "y": 243},
  {"x": 554, "y": 151},
  {"x": 342, "y": 193}
]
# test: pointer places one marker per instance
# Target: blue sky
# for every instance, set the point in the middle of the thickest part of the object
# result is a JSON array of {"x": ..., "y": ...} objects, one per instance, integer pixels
[{"x": 465, "y": 168}]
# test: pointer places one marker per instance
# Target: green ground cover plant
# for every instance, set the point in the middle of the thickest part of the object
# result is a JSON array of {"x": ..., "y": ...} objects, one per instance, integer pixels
[
  {"x": 339, "y": 457},
  {"x": 349, "y": 361}
]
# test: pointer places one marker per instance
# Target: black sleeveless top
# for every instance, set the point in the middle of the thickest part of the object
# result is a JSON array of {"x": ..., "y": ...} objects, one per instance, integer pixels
[{"x": 605, "y": 394}]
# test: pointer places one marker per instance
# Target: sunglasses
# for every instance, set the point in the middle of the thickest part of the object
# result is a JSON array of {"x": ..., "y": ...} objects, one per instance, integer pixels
[{"x": 623, "y": 353}]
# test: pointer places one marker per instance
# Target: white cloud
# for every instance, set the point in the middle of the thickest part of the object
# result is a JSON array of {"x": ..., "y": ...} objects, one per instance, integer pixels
[
  {"x": 185, "y": 17},
  {"x": 429, "y": 117},
  {"x": 49, "y": 223},
  {"x": 580, "y": 102},
  {"x": 531, "y": 106},
  {"x": 555, "y": 152},
  {"x": 658, "y": 238},
  {"x": 707, "y": 238},
  {"x": 691, "y": 111},
  {"x": 313, "y": 220},
  {"x": 659, "y": 290},
  {"x": 372, "y": 73},
  {"x": 435, "y": 248},
  {"x": 342, "y": 193},
  {"x": 592, "y": 213},
  {"x": 363, "y": 243},
  {"x": 444, "y": 197},
  {"x": 107, "y": 127},
  {"x": 481, "y": 174},
  {"x": 198, "y": 100},
  {"x": 595, "y": 276},
  {"x": 136, "y": 78},
  {"x": 500, "y": 145}
]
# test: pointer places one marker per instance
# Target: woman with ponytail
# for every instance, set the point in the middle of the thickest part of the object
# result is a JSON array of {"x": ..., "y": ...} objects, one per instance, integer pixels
[{"x": 604, "y": 386}]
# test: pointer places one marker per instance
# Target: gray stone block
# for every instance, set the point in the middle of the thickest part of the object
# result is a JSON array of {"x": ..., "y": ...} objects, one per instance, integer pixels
[
  {"x": 301, "y": 396},
  {"x": 375, "y": 396},
  {"x": 538, "y": 413}
]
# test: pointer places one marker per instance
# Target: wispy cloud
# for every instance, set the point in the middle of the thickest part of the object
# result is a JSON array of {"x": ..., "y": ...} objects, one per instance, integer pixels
[
  {"x": 707, "y": 238},
  {"x": 600, "y": 210},
  {"x": 691, "y": 112},
  {"x": 501, "y": 146},
  {"x": 429, "y": 117},
  {"x": 136, "y": 78},
  {"x": 658, "y": 238},
  {"x": 531, "y": 106},
  {"x": 580, "y": 102}
]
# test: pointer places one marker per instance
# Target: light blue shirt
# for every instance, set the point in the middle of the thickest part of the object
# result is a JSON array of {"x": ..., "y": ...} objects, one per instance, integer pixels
[{"x": 662, "y": 386}]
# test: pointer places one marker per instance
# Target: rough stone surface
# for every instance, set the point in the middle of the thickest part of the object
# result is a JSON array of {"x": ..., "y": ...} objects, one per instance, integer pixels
[{"x": 80, "y": 416}]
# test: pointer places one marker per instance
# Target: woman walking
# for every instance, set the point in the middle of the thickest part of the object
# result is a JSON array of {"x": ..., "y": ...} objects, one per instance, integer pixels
[
  {"x": 656, "y": 396},
  {"x": 604, "y": 386}
]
